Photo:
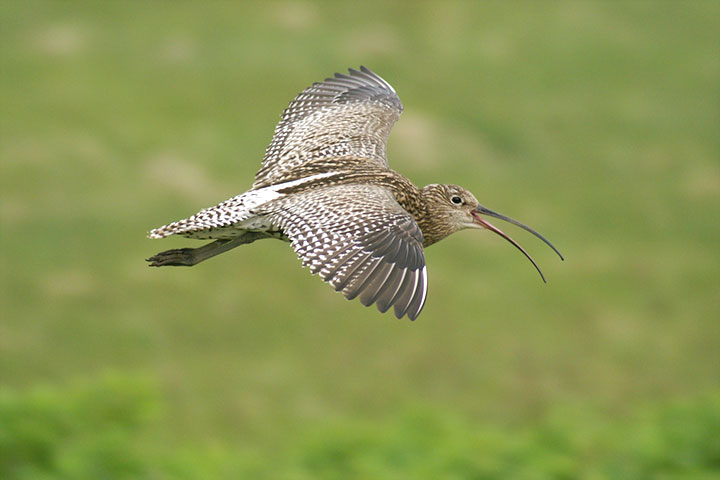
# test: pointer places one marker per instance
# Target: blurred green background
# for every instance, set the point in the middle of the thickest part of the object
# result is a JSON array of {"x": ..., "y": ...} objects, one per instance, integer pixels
[{"x": 597, "y": 123}]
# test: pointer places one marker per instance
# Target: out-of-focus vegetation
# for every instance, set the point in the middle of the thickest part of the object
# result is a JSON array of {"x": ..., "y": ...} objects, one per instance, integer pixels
[
  {"x": 596, "y": 123},
  {"x": 108, "y": 429}
]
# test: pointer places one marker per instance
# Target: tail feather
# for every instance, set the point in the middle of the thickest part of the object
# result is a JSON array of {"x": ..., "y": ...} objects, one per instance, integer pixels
[
  {"x": 181, "y": 226},
  {"x": 219, "y": 221},
  {"x": 202, "y": 225},
  {"x": 209, "y": 221}
]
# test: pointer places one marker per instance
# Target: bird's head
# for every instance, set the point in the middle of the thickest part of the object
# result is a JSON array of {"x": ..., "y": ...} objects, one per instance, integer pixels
[{"x": 452, "y": 208}]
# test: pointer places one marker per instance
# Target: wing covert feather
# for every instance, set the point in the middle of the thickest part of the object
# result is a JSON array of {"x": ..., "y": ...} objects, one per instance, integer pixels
[{"x": 358, "y": 239}]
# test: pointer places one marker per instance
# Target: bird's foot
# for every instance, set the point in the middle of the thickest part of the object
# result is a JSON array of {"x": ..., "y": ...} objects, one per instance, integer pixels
[{"x": 178, "y": 257}]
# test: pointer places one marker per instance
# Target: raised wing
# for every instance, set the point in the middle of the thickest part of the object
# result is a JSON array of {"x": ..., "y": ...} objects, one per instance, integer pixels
[
  {"x": 359, "y": 240},
  {"x": 345, "y": 116}
]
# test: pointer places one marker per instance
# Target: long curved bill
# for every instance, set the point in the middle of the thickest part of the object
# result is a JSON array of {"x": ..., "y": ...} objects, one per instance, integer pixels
[{"x": 484, "y": 223}]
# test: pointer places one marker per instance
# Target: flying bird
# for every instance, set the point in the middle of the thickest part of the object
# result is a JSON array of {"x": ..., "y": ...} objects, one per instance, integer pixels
[{"x": 326, "y": 187}]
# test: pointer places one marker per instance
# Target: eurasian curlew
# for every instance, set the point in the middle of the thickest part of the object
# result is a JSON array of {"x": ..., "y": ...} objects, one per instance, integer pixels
[{"x": 326, "y": 187}]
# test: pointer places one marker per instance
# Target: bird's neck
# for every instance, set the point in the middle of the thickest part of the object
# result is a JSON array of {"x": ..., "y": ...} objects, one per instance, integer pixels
[{"x": 433, "y": 224}]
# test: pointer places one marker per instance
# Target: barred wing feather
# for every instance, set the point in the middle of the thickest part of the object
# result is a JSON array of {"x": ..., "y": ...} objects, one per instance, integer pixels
[
  {"x": 349, "y": 115},
  {"x": 369, "y": 249}
]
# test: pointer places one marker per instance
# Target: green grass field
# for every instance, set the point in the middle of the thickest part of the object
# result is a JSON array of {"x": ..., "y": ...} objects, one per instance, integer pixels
[{"x": 597, "y": 123}]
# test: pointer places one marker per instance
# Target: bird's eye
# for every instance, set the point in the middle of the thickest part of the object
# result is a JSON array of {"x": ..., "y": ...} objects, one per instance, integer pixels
[{"x": 456, "y": 200}]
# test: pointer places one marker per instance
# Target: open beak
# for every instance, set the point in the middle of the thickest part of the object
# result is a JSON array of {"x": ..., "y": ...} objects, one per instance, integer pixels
[{"x": 485, "y": 224}]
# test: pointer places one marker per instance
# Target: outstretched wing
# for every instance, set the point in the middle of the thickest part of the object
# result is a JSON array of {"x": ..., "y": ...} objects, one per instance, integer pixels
[
  {"x": 359, "y": 240},
  {"x": 345, "y": 116}
]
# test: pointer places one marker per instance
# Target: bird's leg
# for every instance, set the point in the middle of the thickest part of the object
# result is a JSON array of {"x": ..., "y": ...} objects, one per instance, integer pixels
[{"x": 188, "y": 257}]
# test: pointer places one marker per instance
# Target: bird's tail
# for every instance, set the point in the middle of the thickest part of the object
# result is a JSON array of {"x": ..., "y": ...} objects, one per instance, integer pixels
[
  {"x": 212, "y": 222},
  {"x": 185, "y": 225}
]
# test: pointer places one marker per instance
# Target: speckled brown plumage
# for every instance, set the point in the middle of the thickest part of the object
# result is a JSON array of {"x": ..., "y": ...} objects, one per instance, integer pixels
[{"x": 325, "y": 186}]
